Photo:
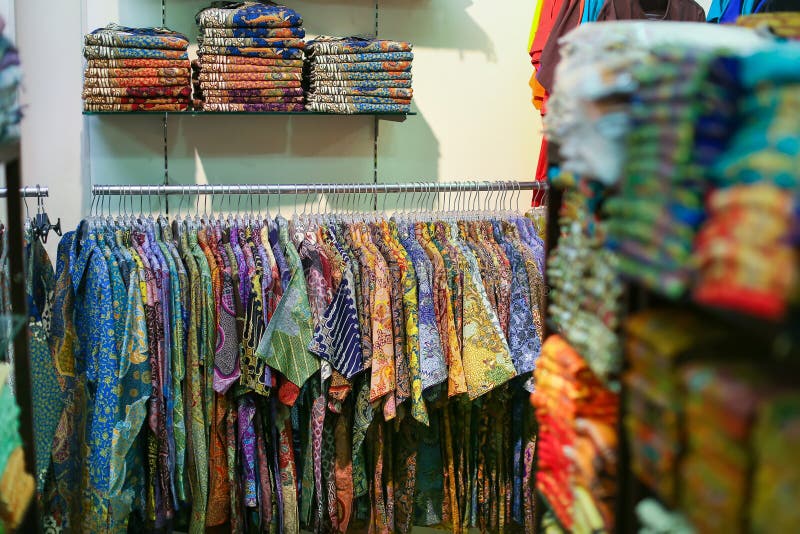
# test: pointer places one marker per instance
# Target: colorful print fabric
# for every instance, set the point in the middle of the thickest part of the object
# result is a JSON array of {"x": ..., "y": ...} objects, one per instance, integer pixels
[
  {"x": 253, "y": 99},
  {"x": 255, "y": 93},
  {"x": 250, "y": 52},
  {"x": 135, "y": 73},
  {"x": 135, "y": 107},
  {"x": 359, "y": 85},
  {"x": 355, "y": 45},
  {"x": 287, "y": 444},
  {"x": 367, "y": 91},
  {"x": 253, "y": 42},
  {"x": 139, "y": 92},
  {"x": 113, "y": 52},
  {"x": 366, "y": 66},
  {"x": 135, "y": 82},
  {"x": 264, "y": 33},
  {"x": 137, "y": 63},
  {"x": 344, "y": 99},
  {"x": 227, "y": 67},
  {"x": 353, "y": 108},
  {"x": 324, "y": 76},
  {"x": 248, "y": 15},
  {"x": 389, "y": 59},
  {"x": 248, "y": 76},
  {"x": 123, "y": 37},
  {"x": 253, "y": 107},
  {"x": 269, "y": 84},
  {"x": 239, "y": 60}
]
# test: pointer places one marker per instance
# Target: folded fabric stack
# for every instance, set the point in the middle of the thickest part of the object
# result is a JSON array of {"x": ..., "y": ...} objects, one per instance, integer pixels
[
  {"x": 353, "y": 75},
  {"x": 746, "y": 260},
  {"x": 250, "y": 58},
  {"x": 777, "y": 476},
  {"x": 575, "y": 413},
  {"x": 16, "y": 485},
  {"x": 746, "y": 263},
  {"x": 680, "y": 121},
  {"x": 655, "y": 342},
  {"x": 721, "y": 404},
  {"x": 784, "y": 24},
  {"x": 10, "y": 75},
  {"x": 136, "y": 69}
]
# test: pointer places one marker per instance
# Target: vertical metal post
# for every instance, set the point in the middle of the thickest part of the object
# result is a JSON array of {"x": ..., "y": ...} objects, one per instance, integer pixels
[
  {"x": 166, "y": 159},
  {"x": 166, "y": 118},
  {"x": 22, "y": 364},
  {"x": 375, "y": 124}
]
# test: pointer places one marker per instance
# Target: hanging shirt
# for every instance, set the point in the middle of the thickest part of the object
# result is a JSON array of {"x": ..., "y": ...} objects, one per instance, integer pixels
[{"x": 287, "y": 337}]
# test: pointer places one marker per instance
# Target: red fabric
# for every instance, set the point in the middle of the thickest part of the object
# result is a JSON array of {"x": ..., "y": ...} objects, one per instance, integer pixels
[
  {"x": 541, "y": 171},
  {"x": 547, "y": 20}
]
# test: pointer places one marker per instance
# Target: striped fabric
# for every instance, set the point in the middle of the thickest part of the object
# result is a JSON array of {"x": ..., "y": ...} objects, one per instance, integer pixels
[{"x": 337, "y": 339}]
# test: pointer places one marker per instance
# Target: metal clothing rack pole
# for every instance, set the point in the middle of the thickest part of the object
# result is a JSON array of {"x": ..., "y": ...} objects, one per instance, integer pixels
[
  {"x": 289, "y": 189},
  {"x": 28, "y": 192}
]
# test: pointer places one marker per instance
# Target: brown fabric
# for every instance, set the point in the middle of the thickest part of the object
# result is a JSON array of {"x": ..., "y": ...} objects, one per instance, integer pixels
[
  {"x": 677, "y": 10},
  {"x": 568, "y": 18}
]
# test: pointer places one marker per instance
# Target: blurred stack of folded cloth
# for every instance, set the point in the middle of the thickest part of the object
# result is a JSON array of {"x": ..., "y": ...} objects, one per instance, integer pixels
[
  {"x": 354, "y": 75},
  {"x": 784, "y": 24},
  {"x": 585, "y": 292},
  {"x": 681, "y": 115},
  {"x": 656, "y": 342},
  {"x": 10, "y": 74},
  {"x": 639, "y": 104},
  {"x": 721, "y": 406},
  {"x": 136, "y": 69},
  {"x": 250, "y": 58},
  {"x": 776, "y": 481},
  {"x": 747, "y": 260},
  {"x": 577, "y": 419}
]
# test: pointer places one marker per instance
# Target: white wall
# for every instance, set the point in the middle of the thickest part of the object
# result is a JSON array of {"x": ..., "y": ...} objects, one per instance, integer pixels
[{"x": 471, "y": 69}]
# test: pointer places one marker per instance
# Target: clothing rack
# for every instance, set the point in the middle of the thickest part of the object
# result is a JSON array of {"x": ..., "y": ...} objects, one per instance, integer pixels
[
  {"x": 329, "y": 188},
  {"x": 36, "y": 191}
]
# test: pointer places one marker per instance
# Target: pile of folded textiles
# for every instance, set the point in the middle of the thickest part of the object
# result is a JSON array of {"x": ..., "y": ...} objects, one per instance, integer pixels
[
  {"x": 746, "y": 263},
  {"x": 250, "y": 58},
  {"x": 136, "y": 69},
  {"x": 576, "y": 413},
  {"x": 746, "y": 260},
  {"x": 680, "y": 117},
  {"x": 656, "y": 341},
  {"x": 354, "y": 75},
  {"x": 721, "y": 407},
  {"x": 776, "y": 482},
  {"x": 784, "y": 24},
  {"x": 10, "y": 74}
]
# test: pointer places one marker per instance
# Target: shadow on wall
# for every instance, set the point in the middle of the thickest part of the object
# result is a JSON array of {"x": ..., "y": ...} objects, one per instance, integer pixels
[
  {"x": 426, "y": 23},
  {"x": 277, "y": 149}
]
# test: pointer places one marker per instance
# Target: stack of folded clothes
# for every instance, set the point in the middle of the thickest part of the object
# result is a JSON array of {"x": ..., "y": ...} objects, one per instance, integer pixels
[
  {"x": 721, "y": 406},
  {"x": 674, "y": 135},
  {"x": 250, "y": 58},
  {"x": 776, "y": 482},
  {"x": 656, "y": 341},
  {"x": 136, "y": 69},
  {"x": 354, "y": 75},
  {"x": 10, "y": 113},
  {"x": 576, "y": 449},
  {"x": 747, "y": 262}
]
